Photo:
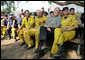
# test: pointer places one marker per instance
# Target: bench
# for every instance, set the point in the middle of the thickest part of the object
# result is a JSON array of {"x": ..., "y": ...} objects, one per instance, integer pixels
[{"x": 79, "y": 42}]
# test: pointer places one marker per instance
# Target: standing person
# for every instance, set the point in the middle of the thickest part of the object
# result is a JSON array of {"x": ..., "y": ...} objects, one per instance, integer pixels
[
  {"x": 28, "y": 22},
  {"x": 48, "y": 30},
  {"x": 48, "y": 11},
  {"x": 43, "y": 11},
  {"x": 21, "y": 11},
  {"x": 65, "y": 33},
  {"x": 12, "y": 26}
]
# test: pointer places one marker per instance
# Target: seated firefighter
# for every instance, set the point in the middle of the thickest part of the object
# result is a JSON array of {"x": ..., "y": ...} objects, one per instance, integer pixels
[
  {"x": 4, "y": 25},
  {"x": 77, "y": 16},
  {"x": 27, "y": 23},
  {"x": 39, "y": 21},
  {"x": 80, "y": 28},
  {"x": 65, "y": 33},
  {"x": 47, "y": 30}
]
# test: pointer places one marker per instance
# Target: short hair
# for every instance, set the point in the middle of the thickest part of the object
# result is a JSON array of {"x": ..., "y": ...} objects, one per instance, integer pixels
[
  {"x": 26, "y": 10},
  {"x": 57, "y": 8},
  {"x": 6, "y": 15},
  {"x": 65, "y": 8},
  {"x": 38, "y": 11},
  {"x": 72, "y": 9},
  {"x": 51, "y": 12},
  {"x": 45, "y": 13}
]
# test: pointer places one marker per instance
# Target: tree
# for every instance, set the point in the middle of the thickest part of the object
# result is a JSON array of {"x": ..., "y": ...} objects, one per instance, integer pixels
[
  {"x": 50, "y": 2},
  {"x": 7, "y": 6}
]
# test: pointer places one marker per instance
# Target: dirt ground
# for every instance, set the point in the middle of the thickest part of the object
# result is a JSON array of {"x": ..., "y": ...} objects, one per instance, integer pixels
[{"x": 11, "y": 50}]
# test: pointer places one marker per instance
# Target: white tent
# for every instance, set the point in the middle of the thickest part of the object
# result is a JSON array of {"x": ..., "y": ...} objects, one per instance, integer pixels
[{"x": 32, "y": 6}]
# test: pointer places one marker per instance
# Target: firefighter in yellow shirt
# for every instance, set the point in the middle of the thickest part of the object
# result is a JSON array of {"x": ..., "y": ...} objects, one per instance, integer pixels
[
  {"x": 1, "y": 21},
  {"x": 39, "y": 21},
  {"x": 77, "y": 16},
  {"x": 45, "y": 15},
  {"x": 65, "y": 33},
  {"x": 27, "y": 23},
  {"x": 4, "y": 25},
  {"x": 1, "y": 25}
]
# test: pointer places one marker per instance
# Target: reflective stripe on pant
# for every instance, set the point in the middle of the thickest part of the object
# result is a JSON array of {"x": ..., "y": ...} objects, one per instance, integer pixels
[
  {"x": 21, "y": 35},
  {"x": 61, "y": 36}
]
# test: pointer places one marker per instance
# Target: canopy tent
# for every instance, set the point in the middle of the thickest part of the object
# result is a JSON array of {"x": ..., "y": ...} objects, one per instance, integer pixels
[
  {"x": 32, "y": 6},
  {"x": 80, "y": 3}
]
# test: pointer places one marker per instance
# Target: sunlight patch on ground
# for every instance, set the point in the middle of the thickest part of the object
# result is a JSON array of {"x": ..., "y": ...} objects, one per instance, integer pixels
[{"x": 72, "y": 55}]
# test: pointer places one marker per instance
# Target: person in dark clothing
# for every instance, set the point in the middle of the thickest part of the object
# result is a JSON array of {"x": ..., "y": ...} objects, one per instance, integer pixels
[
  {"x": 12, "y": 26},
  {"x": 80, "y": 29},
  {"x": 82, "y": 18}
]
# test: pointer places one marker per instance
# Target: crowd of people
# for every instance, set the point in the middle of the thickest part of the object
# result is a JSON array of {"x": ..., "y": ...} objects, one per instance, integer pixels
[{"x": 58, "y": 25}]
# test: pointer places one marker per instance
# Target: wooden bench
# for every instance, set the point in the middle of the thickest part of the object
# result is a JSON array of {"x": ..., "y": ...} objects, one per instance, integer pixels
[{"x": 79, "y": 42}]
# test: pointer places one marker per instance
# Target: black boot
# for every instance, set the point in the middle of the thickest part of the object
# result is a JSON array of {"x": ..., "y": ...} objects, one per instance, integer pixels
[
  {"x": 39, "y": 47},
  {"x": 15, "y": 39},
  {"x": 35, "y": 51},
  {"x": 59, "y": 53},
  {"x": 61, "y": 49},
  {"x": 39, "y": 51},
  {"x": 39, "y": 54}
]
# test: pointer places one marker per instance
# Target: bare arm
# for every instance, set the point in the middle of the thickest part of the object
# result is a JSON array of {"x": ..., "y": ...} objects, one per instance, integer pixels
[{"x": 8, "y": 25}]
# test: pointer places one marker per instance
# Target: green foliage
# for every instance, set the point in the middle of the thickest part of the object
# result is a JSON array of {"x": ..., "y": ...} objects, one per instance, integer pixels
[
  {"x": 3, "y": 3},
  {"x": 50, "y": 2},
  {"x": 8, "y": 6}
]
